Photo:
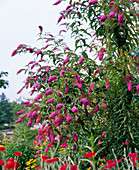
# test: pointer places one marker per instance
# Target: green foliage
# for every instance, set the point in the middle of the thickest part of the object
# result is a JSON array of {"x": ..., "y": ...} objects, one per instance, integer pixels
[
  {"x": 3, "y": 83},
  {"x": 21, "y": 141},
  {"x": 115, "y": 81},
  {"x": 6, "y": 113}
]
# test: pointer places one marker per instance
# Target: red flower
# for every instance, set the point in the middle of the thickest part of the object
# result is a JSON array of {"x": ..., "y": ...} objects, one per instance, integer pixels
[
  {"x": 17, "y": 154},
  {"x": 64, "y": 145},
  {"x": 11, "y": 164},
  {"x": 89, "y": 154},
  {"x": 126, "y": 143},
  {"x": 51, "y": 160},
  {"x": 73, "y": 167},
  {"x": 10, "y": 160},
  {"x": 110, "y": 165},
  {"x": 44, "y": 157},
  {"x": 1, "y": 162},
  {"x": 104, "y": 158},
  {"x": 134, "y": 163},
  {"x": 109, "y": 161},
  {"x": 2, "y": 148},
  {"x": 39, "y": 167},
  {"x": 63, "y": 167},
  {"x": 120, "y": 160},
  {"x": 49, "y": 145}
]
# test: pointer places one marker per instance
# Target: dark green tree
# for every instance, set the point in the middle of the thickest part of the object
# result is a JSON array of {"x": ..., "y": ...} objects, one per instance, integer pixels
[
  {"x": 3, "y": 83},
  {"x": 6, "y": 110}
]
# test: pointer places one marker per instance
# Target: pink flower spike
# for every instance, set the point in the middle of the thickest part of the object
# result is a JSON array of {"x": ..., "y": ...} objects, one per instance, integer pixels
[
  {"x": 62, "y": 73},
  {"x": 47, "y": 69},
  {"x": 58, "y": 121},
  {"x": 20, "y": 112},
  {"x": 107, "y": 84},
  {"x": 19, "y": 71},
  {"x": 68, "y": 11},
  {"x": 53, "y": 114},
  {"x": 96, "y": 108},
  {"x": 135, "y": 57},
  {"x": 129, "y": 77},
  {"x": 105, "y": 106},
  {"x": 19, "y": 120},
  {"x": 102, "y": 18},
  {"x": 59, "y": 93},
  {"x": 14, "y": 53},
  {"x": 85, "y": 101},
  {"x": 50, "y": 101},
  {"x": 74, "y": 109},
  {"x": 57, "y": 2},
  {"x": 112, "y": 14},
  {"x": 51, "y": 35},
  {"x": 81, "y": 60},
  {"x": 137, "y": 87},
  {"x": 92, "y": 86},
  {"x": 59, "y": 106},
  {"x": 120, "y": 18},
  {"x": 41, "y": 28},
  {"x": 66, "y": 48},
  {"x": 79, "y": 85},
  {"x": 75, "y": 138},
  {"x": 112, "y": 3},
  {"x": 52, "y": 78},
  {"x": 38, "y": 52},
  {"x": 129, "y": 85},
  {"x": 66, "y": 60},
  {"x": 37, "y": 98},
  {"x": 96, "y": 71},
  {"x": 68, "y": 118},
  {"x": 59, "y": 19},
  {"x": 93, "y": 2},
  {"x": 66, "y": 89},
  {"x": 48, "y": 92},
  {"x": 103, "y": 134},
  {"x": 30, "y": 49},
  {"x": 100, "y": 54}
]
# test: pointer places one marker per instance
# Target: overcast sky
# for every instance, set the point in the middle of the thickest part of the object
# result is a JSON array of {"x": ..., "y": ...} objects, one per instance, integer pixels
[{"x": 19, "y": 25}]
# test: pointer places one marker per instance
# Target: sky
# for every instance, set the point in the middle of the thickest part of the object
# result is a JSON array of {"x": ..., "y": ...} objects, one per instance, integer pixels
[{"x": 19, "y": 25}]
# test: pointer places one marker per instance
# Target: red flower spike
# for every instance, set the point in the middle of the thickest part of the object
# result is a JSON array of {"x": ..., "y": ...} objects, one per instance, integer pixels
[
  {"x": 89, "y": 154},
  {"x": 51, "y": 160},
  {"x": 109, "y": 161},
  {"x": 110, "y": 165}
]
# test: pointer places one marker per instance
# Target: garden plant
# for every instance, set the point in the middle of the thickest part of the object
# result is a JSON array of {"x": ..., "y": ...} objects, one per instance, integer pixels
[{"x": 85, "y": 95}]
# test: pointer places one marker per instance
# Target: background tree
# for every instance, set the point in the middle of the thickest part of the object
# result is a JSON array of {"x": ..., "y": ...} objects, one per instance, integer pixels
[{"x": 3, "y": 83}]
